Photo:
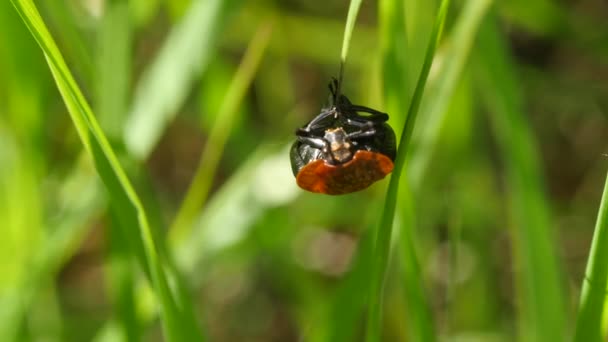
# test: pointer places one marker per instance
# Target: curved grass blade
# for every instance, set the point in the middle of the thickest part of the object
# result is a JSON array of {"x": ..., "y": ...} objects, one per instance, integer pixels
[
  {"x": 76, "y": 48},
  {"x": 125, "y": 203},
  {"x": 383, "y": 237},
  {"x": 47, "y": 261},
  {"x": 396, "y": 60},
  {"x": 114, "y": 68},
  {"x": 593, "y": 294},
  {"x": 353, "y": 11},
  {"x": 210, "y": 157},
  {"x": 233, "y": 209},
  {"x": 418, "y": 314},
  {"x": 302, "y": 32},
  {"x": 542, "y": 314},
  {"x": 440, "y": 95},
  {"x": 164, "y": 87},
  {"x": 397, "y": 65}
]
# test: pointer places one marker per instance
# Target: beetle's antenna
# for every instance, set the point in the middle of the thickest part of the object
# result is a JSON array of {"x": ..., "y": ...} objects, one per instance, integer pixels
[
  {"x": 340, "y": 77},
  {"x": 333, "y": 90},
  {"x": 335, "y": 86}
]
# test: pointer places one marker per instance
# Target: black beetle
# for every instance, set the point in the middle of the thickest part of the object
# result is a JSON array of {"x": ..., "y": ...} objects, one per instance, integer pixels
[{"x": 341, "y": 151}]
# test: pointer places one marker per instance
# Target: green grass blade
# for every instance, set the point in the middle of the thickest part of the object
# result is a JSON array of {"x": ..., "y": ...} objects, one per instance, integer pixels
[
  {"x": 398, "y": 67},
  {"x": 231, "y": 208},
  {"x": 23, "y": 232},
  {"x": 418, "y": 314},
  {"x": 440, "y": 95},
  {"x": 114, "y": 68},
  {"x": 593, "y": 294},
  {"x": 395, "y": 59},
  {"x": 538, "y": 280},
  {"x": 347, "y": 304},
  {"x": 383, "y": 238},
  {"x": 64, "y": 22},
  {"x": 121, "y": 279},
  {"x": 167, "y": 82},
  {"x": 433, "y": 112},
  {"x": 124, "y": 201},
  {"x": 353, "y": 11},
  {"x": 210, "y": 157},
  {"x": 303, "y": 34}
]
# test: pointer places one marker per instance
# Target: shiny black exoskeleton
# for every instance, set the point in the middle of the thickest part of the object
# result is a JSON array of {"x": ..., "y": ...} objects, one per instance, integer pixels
[{"x": 339, "y": 131}]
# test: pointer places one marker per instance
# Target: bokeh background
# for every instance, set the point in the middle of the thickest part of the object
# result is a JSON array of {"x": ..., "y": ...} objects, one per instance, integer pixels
[{"x": 511, "y": 139}]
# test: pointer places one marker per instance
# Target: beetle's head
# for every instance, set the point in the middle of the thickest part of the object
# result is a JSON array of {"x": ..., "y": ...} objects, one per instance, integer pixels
[{"x": 339, "y": 145}]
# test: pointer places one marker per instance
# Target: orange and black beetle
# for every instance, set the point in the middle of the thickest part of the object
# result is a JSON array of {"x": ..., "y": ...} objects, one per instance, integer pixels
[{"x": 341, "y": 151}]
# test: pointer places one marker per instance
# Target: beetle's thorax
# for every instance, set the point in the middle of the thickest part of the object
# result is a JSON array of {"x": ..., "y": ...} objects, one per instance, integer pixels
[{"x": 339, "y": 145}]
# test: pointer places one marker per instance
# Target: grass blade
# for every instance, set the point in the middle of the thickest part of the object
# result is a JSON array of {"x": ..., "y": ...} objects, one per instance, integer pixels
[
  {"x": 456, "y": 56},
  {"x": 418, "y": 314},
  {"x": 538, "y": 281},
  {"x": 114, "y": 68},
  {"x": 593, "y": 294},
  {"x": 353, "y": 11},
  {"x": 383, "y": 237},
  {"x": 166, "y": 84},
  {"x": 395, "y": 59},
  {"x": 76, "y": 50},
  {"x": 398, "y": 66},
  {"x": 434, "y": 113},
  {"x": 210, "y": 157},
  {"x": 121, "y": 279},
  {"x": 124, "y": 201}
]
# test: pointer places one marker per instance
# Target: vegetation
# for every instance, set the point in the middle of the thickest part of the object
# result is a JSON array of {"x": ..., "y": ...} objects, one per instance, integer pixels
[{"x": 146, "y": 192}]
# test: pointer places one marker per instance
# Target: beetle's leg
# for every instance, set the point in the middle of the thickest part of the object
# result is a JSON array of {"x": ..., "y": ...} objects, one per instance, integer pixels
[
  {"x": 364, "y": 109},
  {"x": 376, "y": 116},
  {"x": 364, "y": 125},
  {"x": 318, "y": 143},
  {"x": 306, "y": 132},
  {"x": 364, "y": 133},
  {"x": 314, "y": 123}
]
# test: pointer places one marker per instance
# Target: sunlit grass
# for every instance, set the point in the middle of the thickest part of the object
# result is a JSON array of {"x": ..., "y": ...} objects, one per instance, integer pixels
[
  {"x": 542, "y": 311},
  {"x": 168, "y": 210},
  {"x": 127, "y": 208},
  {"x": 593, "y": 295},
  {"x": 383, "y": 239}
]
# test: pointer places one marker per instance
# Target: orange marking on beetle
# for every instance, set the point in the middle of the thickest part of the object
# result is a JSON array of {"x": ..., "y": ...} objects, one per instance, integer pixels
[{"x": 357, "y": 174}]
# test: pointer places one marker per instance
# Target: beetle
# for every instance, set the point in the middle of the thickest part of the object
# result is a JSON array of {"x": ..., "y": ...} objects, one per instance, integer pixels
[{"x": 341, "y": 151}]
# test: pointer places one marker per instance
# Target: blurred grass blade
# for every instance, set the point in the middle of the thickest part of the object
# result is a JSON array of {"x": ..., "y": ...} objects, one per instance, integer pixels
[
  {"x": 395, "y": 60},
  {"x": 397, "y": 67},
  {"x": 440, "y": 94},
  {"x": 23, "y": 234},
  {"x": 538, "y": 280},
  {"x": 214, "y": 147},
  {"x": 347, "y": 305},
  {"x": 114, "y": 68},
  {"x": 419, "y": 318},
  {"x": 121, "y": 280},
  {"x": 167, "y": 82},
  {"x": 593, "y": 294},
  {"x": 76, "y": 48},
  {"x": 384, "y": 232},
  {"x": 124, "y": 201},
  {"x": 235, "y": 207},
  {"x": 305, "y": 35},
  {"x": 113, "y": 87},
  {"x": 353, "y": 11}
]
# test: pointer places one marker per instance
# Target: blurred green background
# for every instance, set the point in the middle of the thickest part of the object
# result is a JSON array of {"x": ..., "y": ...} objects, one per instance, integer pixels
[{"x": 200, "y": 100}]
